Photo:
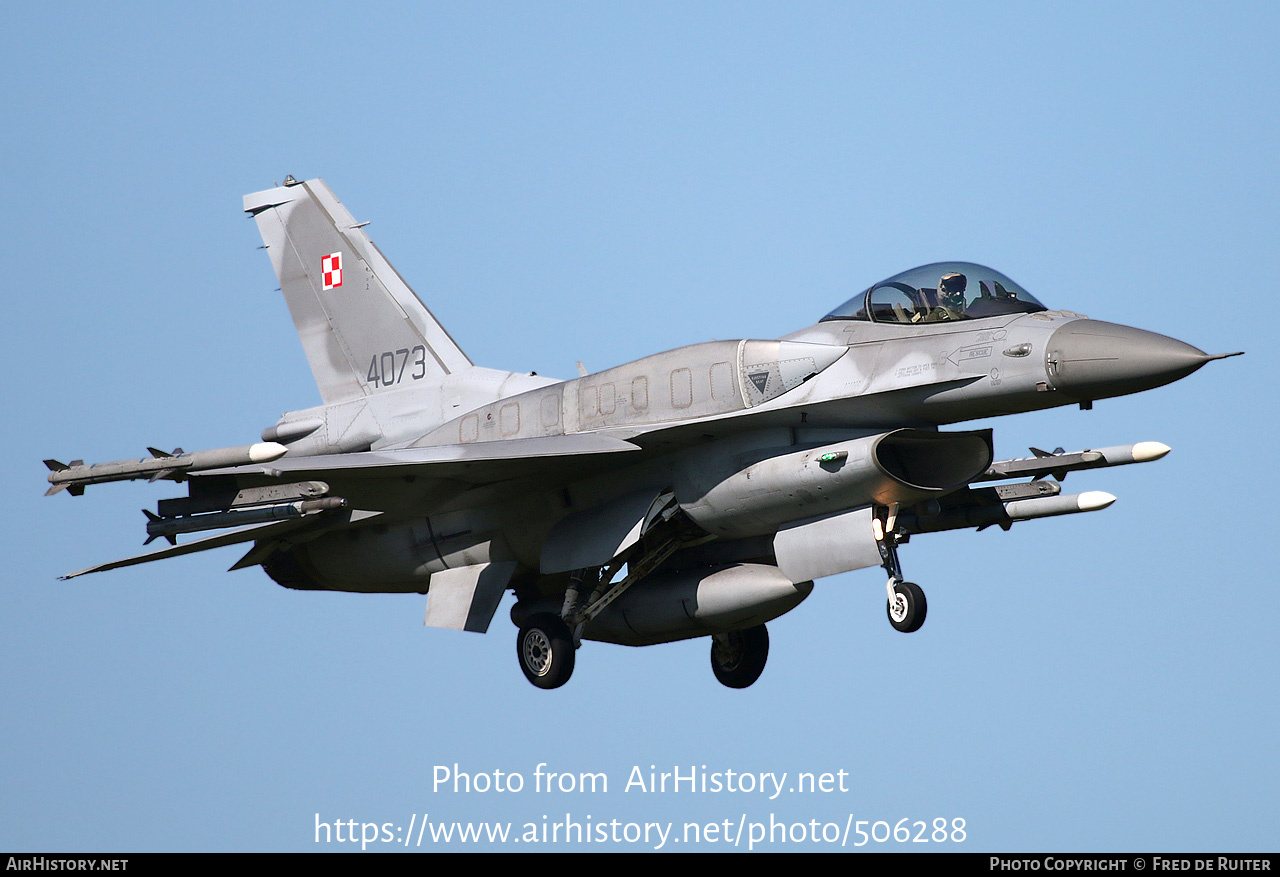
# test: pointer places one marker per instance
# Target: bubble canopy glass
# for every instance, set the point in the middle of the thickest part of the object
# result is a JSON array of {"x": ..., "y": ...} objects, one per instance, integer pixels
[{"x": 936, "y": 293}]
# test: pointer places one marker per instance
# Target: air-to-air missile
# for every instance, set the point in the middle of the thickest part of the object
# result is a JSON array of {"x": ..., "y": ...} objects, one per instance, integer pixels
[
  {"x": 75, "y": 476},
  {"x": 1003, "y": 504},
  {"x": 1058, "y": 463},
  {"x": 170, "y": 527}
]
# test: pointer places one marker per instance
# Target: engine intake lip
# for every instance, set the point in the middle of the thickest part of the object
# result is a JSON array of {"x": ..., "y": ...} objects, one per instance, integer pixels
[{"x": 934, "y": 461}]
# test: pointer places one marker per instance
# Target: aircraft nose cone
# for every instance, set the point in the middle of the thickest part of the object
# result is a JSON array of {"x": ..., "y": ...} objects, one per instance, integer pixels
[{"x": 1091, "y": 359}]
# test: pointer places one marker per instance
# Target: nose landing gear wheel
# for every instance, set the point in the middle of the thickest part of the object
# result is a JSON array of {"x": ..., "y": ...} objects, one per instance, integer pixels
[
  {"x": 907, "y": 608},
  {"x": 738, "y": 657},
  {"x": 545, "y": 649}
]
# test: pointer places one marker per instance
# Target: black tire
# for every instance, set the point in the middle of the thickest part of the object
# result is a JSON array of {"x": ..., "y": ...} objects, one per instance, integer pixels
[
  {"x": 544, "y": 648},
  {"x": 740, "y": 659},
  {"x": 916, "y": 607}
]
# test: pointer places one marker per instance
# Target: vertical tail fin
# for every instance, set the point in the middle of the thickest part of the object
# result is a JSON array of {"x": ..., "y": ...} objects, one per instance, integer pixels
[{"x": 362, "y": 328}]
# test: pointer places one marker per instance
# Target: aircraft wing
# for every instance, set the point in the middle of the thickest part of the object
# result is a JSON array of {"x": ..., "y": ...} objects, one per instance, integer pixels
[
  {"x": 478, "y": 463},
  {"x": 406, "y": 478},
  {"x": 361, "y": 485}
]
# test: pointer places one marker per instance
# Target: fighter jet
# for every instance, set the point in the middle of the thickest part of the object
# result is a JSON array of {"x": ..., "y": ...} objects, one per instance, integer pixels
[{"x": 696, "y": 492}]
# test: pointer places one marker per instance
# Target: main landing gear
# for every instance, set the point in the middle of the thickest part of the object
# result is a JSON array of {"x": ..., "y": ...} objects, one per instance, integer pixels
[
  {"x": 546, "y": 642},
  {"x": 906, "y": 606},
  {"x": 738, "y": 657},
  {"x": 545, "y": 649}
]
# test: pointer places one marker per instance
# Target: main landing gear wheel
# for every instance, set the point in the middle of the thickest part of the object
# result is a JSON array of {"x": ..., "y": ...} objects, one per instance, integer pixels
[
  {"x": 907, "y": 608},
  {"x": 738, "y": 657},
  {"x": 545, "y": 649}
]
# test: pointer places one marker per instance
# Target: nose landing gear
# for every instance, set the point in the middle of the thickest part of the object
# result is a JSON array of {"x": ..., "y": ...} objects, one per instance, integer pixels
[{"x": 906, "y": 606}]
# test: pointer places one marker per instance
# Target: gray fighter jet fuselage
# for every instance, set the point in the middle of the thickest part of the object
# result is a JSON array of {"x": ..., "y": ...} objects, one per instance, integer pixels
[{"x": 696, "y": 492}]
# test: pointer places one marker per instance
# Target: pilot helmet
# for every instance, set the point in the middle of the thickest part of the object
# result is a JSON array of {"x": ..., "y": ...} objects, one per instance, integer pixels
[{"x": 951, "y": 289}]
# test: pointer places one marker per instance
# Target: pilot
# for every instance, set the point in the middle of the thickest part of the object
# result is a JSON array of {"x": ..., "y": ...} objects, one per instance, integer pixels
[{"x": 950, "y": 297}]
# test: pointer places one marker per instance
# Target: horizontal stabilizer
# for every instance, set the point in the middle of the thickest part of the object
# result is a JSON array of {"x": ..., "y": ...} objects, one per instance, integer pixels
[{"x": 231, "y": 537}]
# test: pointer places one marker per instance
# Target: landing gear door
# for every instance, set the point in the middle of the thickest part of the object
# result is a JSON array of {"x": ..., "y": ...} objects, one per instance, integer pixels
[
  {"x": 466, "y": 597},
  {"x": 808, "y": 550}
]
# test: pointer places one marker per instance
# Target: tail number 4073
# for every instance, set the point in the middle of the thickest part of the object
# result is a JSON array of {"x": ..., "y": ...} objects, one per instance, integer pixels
[{"x": 387, "y": 369}]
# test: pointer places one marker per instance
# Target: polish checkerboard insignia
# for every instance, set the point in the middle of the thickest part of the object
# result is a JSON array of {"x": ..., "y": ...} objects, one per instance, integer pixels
[{"x": 331, "y": 270}]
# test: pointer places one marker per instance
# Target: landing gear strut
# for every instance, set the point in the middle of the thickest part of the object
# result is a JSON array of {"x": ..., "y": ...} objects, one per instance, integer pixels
[
  {"x": 547, "y": 641},
  {"x": 738, "y": 657},
  {"x": 906, "y": 606}
]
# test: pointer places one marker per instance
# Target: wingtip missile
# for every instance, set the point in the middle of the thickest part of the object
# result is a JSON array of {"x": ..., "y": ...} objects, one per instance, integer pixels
[{"x": 75, "y": 475}]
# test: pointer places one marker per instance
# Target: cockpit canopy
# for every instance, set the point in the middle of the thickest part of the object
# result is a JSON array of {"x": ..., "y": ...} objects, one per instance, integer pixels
[{"x": 940, "y": 292}]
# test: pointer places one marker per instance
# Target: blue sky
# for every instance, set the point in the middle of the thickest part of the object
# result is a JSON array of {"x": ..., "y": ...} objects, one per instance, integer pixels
[{"x": 566, "y": 182}]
